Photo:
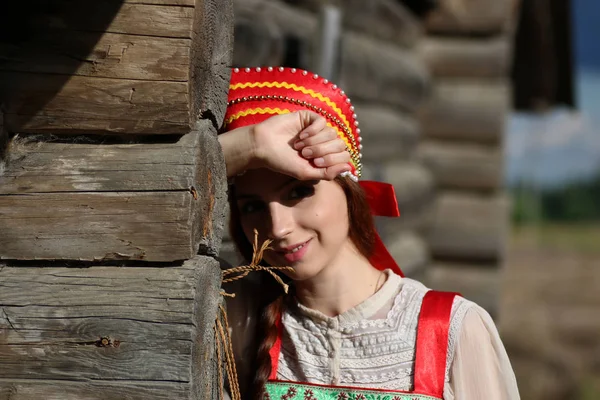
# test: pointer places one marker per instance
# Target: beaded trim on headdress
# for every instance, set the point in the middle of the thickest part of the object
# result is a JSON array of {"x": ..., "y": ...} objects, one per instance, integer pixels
[{"x": 256, "y": 94}]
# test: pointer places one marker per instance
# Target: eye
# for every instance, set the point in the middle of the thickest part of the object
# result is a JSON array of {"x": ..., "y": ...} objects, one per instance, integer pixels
[
  {"x": 251, "y": 207},
  {"x": 301, "y": 191}
]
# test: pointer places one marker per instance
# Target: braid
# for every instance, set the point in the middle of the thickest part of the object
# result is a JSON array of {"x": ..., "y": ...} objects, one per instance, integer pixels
[{"x": 268, "y": 328}]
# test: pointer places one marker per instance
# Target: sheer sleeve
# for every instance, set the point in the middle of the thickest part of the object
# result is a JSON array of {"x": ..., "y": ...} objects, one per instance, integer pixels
[{"x": 480, "y": 367}]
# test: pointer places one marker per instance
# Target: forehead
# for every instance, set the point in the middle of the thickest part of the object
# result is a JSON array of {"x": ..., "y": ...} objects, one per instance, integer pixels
[{"x": 261, "y": 181}]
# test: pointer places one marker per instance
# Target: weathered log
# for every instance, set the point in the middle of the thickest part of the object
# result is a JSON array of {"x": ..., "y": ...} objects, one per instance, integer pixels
[
  {"x": 462, "y": 109},
  {"x": 401, "y": 79},
  {"x": 154, "y": 202},
  {"x": 387, "y": 134},
  {"x": 211, "y": 54},
  {"x": 382, "y": 19},
  {"x": 469, "y": 227},
  {"x": 410, "y": 252},
  {"x": 464, "y": 17},
  {"x": 415, "y": 192},
  {"x": 476, "y": 282},
  {"x": 467, "y": 57},
  {"x": 108, "y": 67},
  {"x": 379, "y": 72},
  {"x": 109, "y": 332},
  {"x": 466, "y": 166}
]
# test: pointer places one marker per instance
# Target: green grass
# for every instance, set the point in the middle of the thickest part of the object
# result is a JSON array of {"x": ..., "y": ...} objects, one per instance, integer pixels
[{"x": 581, "y": 238}]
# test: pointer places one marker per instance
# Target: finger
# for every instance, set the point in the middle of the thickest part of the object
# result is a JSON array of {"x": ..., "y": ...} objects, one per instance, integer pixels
[
  {"x": 324, "y": 135},
  {"x": 322, "y": 149},
  {"x": 313, "y": 125},
  {"x": 330, "y": 160},
  {"x": 334, "y": 171}
]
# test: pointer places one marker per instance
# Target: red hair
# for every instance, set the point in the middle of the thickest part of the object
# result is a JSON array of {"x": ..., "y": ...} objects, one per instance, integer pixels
[{"x": 362, "y": 234}]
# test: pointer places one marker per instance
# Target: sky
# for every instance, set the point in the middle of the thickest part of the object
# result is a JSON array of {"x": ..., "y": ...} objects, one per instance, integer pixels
[{"x": 563, "y": 145}]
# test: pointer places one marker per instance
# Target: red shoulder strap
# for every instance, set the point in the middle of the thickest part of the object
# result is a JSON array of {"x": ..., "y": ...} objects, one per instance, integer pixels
[
  {"x": 432, "y": 343},
  {"x": 275, "y": 350}
]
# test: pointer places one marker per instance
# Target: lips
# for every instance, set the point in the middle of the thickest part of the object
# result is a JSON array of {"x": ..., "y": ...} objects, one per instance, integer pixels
[{"x": 295, "y": 252}]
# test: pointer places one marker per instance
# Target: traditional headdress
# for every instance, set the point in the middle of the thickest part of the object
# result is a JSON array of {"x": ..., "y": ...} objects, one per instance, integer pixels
[{"x": 256, "y": 94}]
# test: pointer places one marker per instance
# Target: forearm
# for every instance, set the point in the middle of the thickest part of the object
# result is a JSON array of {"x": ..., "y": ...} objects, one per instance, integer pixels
[{"x": 239, "y": 150}]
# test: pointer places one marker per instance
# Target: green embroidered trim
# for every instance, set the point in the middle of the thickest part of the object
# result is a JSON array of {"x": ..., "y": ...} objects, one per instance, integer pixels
[{"x": 296, "y": 391}]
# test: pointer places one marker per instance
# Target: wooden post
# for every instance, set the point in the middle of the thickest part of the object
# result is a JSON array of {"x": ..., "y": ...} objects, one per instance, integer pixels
[{"x": 112, "y": 199}]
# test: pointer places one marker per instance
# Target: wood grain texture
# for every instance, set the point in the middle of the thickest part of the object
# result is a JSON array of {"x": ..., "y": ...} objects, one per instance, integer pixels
[
  {"x": 465, "y": 17},
  {"x": 467, "y": 57},
  {"x": 52, "y": 321},
  {"x": 480, "y": 283},
  {"x": 387, "y": 134},
  {"x": 111, "y": 55},
  {"x": 211, "y": 57},
  {"x": 152, "y": 226},
  {"x": 469, "y": 227},
  {"x": 465, "y": 166},
  {"x": 27, "y": 389},
  {"x": 466, "y": 109},
  {"x": 152, "y": 107},
  {"x": 152, "y": 202},
  {"x": 113, "y": 16},
  {"x": 55, "y": 167}
]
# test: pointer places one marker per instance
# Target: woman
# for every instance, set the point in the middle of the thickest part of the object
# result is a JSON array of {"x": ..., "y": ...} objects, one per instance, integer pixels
[{"x": 352, "y": 327}]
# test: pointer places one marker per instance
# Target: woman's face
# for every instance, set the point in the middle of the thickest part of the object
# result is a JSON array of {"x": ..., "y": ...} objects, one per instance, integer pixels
[{"x": 306, "y": 220}]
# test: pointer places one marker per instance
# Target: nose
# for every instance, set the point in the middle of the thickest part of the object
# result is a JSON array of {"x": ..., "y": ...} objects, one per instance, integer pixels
[{"x": 282, "y": 221}]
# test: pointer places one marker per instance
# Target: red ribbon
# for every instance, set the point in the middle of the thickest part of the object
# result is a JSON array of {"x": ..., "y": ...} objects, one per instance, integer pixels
[{"x": 383, "y": 203}]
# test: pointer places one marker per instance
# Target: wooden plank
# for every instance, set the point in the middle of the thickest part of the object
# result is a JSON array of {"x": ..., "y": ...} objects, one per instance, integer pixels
[
  {"x": 401, "y": 79},
  {"x": 382, "y": 19},
  {"x": 54, "y": 167},
  {"x": 28, "y": 389},
  {"x": 112, "y": 16},
  {"x": 76, "y": 103},
  {"x": 466, "y": 109},
  {"x": 469, "y": 227},
  {"x": 108, "y": 56},
  {"x": 211, "y": 57},
  {"x": 52, "y": 321},
  {"x": 155, "y": 226},
  {"x": 387, "y": 134},
  {"x": 471, "y": 17},
  {"x": 153, "y": 202},
  {"x": 480, "y": 283},
  {"x": 467, "y": 57},
  {"x": 467, "y": 166}
]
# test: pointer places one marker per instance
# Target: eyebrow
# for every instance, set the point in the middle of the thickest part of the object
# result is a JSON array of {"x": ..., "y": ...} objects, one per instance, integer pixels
[{"x": 280, "y": 187}]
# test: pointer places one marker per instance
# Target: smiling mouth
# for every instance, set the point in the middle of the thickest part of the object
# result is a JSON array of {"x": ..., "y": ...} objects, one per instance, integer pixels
[{"x": 295, "y": 249}]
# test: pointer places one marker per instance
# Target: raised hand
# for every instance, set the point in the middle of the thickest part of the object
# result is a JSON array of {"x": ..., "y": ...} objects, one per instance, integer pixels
[{"x": 298, "y": 144}]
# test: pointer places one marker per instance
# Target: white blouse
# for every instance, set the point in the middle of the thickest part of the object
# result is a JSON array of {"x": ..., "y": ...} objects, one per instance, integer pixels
[{"x": 373, "y": 345}]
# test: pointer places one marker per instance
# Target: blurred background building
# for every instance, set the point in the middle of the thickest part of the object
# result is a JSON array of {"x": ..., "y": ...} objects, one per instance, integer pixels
[{"x": 482, "y": 115}]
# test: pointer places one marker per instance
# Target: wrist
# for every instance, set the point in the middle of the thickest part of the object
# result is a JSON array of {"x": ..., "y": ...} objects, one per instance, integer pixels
[{"x": 256, "y": 151}]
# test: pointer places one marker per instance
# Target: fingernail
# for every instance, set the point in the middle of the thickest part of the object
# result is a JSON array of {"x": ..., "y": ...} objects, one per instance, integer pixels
[
  {"x": 298, "y": 145},
  {"x": 307, "y": 152},
  {"x": 319, "y": 161},
  {"x": 303, "y": 135}
]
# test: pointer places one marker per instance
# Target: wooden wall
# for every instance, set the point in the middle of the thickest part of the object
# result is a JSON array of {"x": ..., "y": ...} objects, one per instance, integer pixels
[
  {"x": 112, "y": 198},
  {"x": 468, "y": 48}
]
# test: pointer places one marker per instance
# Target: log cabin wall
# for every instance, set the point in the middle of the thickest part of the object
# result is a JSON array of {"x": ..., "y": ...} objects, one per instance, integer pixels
[
  {"x": 467, "y": 47},
  {"x": 112, "y": 198},
  {"x": 381, "y": 71}
]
